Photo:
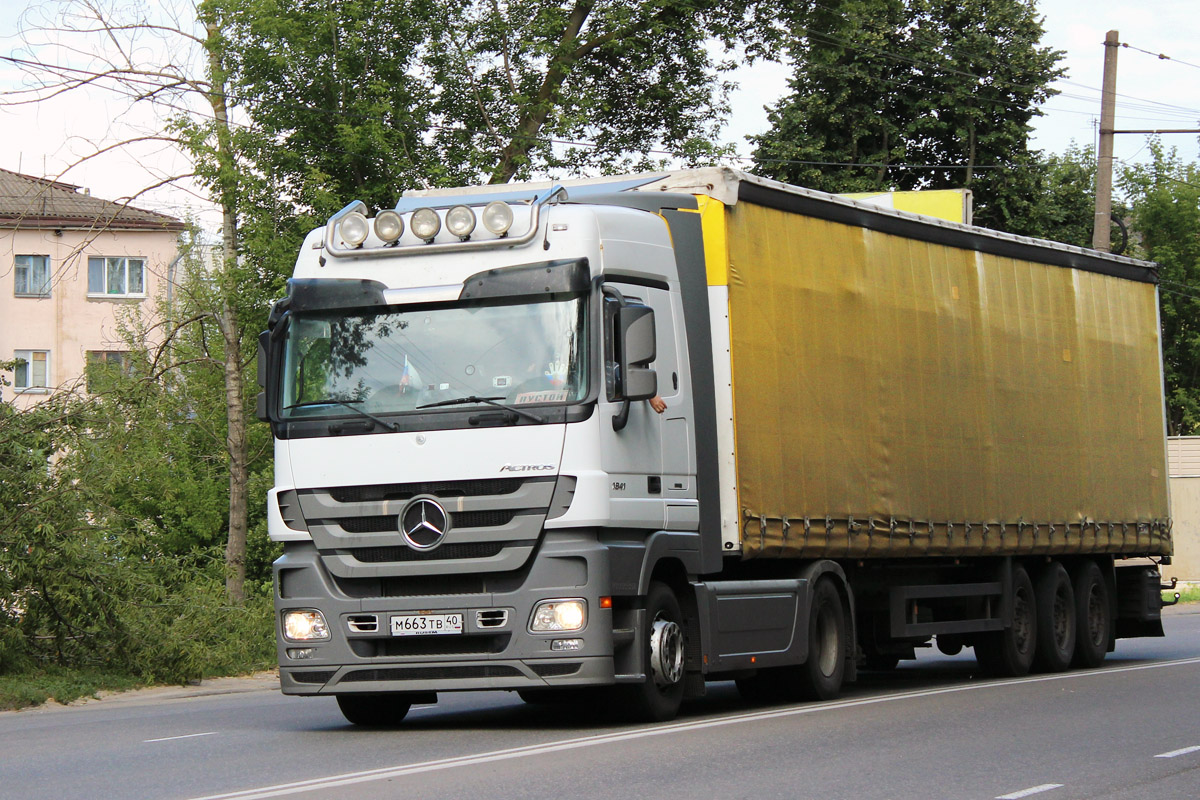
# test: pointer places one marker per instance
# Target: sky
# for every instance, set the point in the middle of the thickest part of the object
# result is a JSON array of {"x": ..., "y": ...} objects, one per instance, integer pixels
[{"x": 1153, "y": 93}]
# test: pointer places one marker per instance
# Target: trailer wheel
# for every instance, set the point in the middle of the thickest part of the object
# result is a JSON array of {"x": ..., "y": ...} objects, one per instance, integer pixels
[
  {"x": 820, "y": 677},
  {"x": 1056, "y": 619},
  {"x": 1092, "y": 616},
  {"x": 373, "y": 710},
  {"x": 658, "y": 698},
  {"x": 1009, "y": 653}
]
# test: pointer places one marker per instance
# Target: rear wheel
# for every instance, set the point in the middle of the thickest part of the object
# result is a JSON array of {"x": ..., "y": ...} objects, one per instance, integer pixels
[
  {"x": 1056, "y": 619},
  {"x": 1092, "y": 615},
  {"x": 373, "y": 710},
  {"x": 1009, "y": 653},
  {"x": 820, "y": 677},
  {"x": 658, "y": 698}
]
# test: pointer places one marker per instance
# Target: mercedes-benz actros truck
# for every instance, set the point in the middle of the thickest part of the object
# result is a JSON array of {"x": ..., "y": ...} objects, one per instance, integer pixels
[{"x": 632, "y": 435}]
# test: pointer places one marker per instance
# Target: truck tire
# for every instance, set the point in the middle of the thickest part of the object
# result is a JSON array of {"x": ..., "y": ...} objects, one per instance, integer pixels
[
  {"x": 1056, "y": 619},
  {"x": 1092, "y": 615},
  {"x": 373, "y": 710},
  {"x": 657, "y": 699},
  {"x": 820, "y": 677},
  {"x": 1009, "y": 653}
]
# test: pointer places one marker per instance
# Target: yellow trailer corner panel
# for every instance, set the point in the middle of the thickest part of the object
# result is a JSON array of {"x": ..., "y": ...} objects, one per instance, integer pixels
[{"x": 901, "y": 397}]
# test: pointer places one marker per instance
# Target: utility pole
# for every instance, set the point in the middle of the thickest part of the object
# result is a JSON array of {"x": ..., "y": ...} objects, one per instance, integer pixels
[{"x": 1102, "y": 227}]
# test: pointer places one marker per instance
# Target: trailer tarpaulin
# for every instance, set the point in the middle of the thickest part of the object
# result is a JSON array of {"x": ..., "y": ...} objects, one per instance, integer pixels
[{"x": 895, "y": 396}]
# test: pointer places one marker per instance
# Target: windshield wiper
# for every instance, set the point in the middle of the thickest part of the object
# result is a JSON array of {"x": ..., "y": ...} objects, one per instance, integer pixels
[
  {"x": 334, "y": 401},
  {"x": 491, "y": 401}
]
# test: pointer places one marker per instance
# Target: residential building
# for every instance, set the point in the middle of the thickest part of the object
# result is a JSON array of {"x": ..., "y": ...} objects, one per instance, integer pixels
[{"x": 69, "y": 264}]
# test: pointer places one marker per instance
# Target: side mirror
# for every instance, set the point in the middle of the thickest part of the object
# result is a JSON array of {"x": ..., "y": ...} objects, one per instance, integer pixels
[{"x": 636, "y": 337}]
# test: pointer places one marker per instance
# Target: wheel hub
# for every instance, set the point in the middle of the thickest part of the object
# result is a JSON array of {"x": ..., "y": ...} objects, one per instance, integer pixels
[{"x": 666, "y": 652}]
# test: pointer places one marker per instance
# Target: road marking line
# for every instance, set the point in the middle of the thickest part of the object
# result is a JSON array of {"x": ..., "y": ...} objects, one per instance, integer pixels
[
  {"x": 383, "y": 773},
  {"x": 1182, "y": 752},
  {"x": 185, "y": 736},
  {"x": 1045, "y": 787}
]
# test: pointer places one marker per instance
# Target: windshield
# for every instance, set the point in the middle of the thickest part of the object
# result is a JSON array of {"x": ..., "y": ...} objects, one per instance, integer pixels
[{"x": 393, "y": 361}]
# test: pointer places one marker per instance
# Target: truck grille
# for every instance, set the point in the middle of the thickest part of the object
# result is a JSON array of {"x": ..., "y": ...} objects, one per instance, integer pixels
[
  {"x": 468, "y": 519},
  {"x": 493, "y": 522},
  {"x": 376, "y": 555},
  {"x": 432, "y": 673},
  {"x": 407, "y": 491},
  {"x": 430, "y": 646}
]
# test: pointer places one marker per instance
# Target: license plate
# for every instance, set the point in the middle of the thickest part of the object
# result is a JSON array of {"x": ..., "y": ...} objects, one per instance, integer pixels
[{"x": 427, "y": 624}]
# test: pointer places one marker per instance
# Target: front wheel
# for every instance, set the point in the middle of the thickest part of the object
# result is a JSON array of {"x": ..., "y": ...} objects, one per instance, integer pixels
[
  {"x": 373, "y": 710},
  {"x": 658, "y": 698}
]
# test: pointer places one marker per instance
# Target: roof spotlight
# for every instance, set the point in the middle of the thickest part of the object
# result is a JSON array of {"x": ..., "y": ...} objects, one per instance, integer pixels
[
  {"x": 353, "y": 228},
  {"x": 498, "y": 217},
  {"x": 460, "y": 221},
  {"x": 425, "y": 223},
  {"x": 389, "y": 226}
]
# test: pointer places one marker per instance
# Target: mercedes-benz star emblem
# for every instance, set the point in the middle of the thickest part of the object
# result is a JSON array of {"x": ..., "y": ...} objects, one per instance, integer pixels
[{"x": 424, "y": 523}]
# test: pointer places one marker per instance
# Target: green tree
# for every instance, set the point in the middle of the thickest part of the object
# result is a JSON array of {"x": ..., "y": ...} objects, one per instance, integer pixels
[
  {"x": 912, "y": 94},
  {"x": 363, "y": 98},
  {"x": 1165, "y": 199}
]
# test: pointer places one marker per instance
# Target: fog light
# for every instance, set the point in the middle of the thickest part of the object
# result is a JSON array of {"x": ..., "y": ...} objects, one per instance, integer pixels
[
  {"x": 566, "y": 644},
  {"x": 353, "y": 229},
  {"x": 304, "y": 625},
  {"x": 558, "y": 615},
  {"x": 299, "y": 653},
  {"x": 389, "y": 226},
  {"x": 497, "y": 217},
  {"x": 425, "y": 223},
  {"x": 460, "y": 221}
]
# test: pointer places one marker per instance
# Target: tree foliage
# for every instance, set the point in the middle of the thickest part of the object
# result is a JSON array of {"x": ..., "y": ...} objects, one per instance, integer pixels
[
  {"x": 1165, "y": 199},
  {"x": 911, "y": 94},
  {"x": 362, "y": 98},
  {"x": 115, "y": 510}
]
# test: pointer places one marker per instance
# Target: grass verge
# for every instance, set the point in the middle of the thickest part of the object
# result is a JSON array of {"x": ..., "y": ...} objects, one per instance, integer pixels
[
  {"x": 1187, "y": 594},
  {"x": 24, "y": 689}
]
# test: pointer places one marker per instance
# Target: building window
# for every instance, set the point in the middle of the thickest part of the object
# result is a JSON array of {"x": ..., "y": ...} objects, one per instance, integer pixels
[
  {"x": 116, "y": 277},
  {"x": 32, "y": 276},
  {"x": 33, "y": 370},
  {"x": 101, "y": 363}
]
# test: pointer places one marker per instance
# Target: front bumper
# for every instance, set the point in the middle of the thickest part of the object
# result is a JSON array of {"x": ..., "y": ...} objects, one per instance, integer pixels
[{"x": 495, "y": 650}]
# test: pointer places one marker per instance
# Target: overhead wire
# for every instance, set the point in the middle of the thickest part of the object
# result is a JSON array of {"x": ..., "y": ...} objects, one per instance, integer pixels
[{"x": 1160, "y": 56}]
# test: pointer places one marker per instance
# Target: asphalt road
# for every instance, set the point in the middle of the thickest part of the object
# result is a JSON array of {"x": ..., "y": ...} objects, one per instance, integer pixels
[{"x": 931, "y": 729}]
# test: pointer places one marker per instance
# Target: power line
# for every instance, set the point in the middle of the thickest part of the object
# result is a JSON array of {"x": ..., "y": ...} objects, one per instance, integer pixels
[{"x": 1160, "y": 56}]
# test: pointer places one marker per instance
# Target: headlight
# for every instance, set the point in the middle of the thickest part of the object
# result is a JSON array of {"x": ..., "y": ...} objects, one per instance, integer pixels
[
  {"x": 497, "y": 217},
  {"x": 389, "y": 226},
  {"x": 460, "y": 221},
  {"x": 558, "y": 615},
  {"x": 304, "y": 626},
  {"x": 353, "y": 229},
  {"x": 425, "y": 223}
]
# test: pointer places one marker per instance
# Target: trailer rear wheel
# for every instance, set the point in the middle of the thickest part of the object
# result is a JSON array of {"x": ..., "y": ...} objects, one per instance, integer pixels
[
  {"x": 820, "y": 677},
  {"x": 373, "y": 710},
  {"x": 658, "y": 698},
  {"x": 1056, "y": 619},
  {"x": 1092, "y": 615},
  {"x": 1009, "y": 653}
]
